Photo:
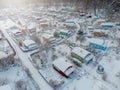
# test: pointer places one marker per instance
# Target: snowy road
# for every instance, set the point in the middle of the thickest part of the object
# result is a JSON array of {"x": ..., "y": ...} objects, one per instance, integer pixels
[{"x": 43, "y": 85}]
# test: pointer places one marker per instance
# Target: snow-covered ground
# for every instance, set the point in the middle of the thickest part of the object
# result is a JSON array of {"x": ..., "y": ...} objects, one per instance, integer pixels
[
  {"x": 26, "y": 62},
  {"x": 14, "y": 75},
  {"x": 102, "y": 34}
]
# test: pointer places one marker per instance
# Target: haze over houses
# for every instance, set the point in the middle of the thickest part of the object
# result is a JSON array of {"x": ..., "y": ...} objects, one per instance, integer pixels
[{"x": 58, "y": 47}]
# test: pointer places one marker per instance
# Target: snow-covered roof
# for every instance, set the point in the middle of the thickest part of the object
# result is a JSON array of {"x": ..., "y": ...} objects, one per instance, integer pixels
[
  {"x": 98, "y": 21},
  {"x": 47, "y": 35},
  {"x": 28, "y": 42},
  {"x": 80, "y": 51},
  {"x": 64, "y": 30},
  {"x": 70, "y": 24},
  {"x": 101, "y": 42},
  {"x": 90, "y": 27},
  {"x": 62, "y": 64},
  {"x": 31, "y": 25},
  {"x": 44, "y": 23},
  {"x": 5, "y": 87},
  {"x": 15, "y": 31},
  {"x": 70, "y": 21},
  {"x": 108, "y": 24},
  {"x": 96, "y": 41}
]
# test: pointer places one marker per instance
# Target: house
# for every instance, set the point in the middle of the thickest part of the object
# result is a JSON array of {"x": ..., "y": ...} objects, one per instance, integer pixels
[
  {"x": 64, "y": 67},
  {"x": 29, "y": 45},
  {"x": 97, "y": 21},
  {"x": 69, "y": 21},
  {"x": 32, "y": 31},
  {"x": 99, "y": 44},
  {"x": 107, "y": 25},
  {"x": 5, "y": 87},
  {"x": 31, "y": 25},
  {"x": 82, "y": 55},
  {"x": 16, "y": 33},
  {"x": 117, "y": 23},
  {"x": 65, "y": 33},
  {"x": 44, "y": 25},
  {"x": 70, "y": 25},
  {"x": 45, "y": 37}
]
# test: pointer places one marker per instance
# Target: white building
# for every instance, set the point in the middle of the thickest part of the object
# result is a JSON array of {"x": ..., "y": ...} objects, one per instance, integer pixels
[{"x": 30, "y": 45}]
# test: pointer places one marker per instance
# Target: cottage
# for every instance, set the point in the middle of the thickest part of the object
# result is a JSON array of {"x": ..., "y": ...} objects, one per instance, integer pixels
[
  {"x": 64, "y": 67},
  {"x": 81, "y": 54}
]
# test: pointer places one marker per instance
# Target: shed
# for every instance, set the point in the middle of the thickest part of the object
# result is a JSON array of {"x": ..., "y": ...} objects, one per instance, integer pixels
[
  {"x": 81, "y": 54},
  {"x": 64, "y": 67}
]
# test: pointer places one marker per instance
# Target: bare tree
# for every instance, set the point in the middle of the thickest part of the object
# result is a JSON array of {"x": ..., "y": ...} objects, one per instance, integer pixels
[{"x": 21, "y": 85}]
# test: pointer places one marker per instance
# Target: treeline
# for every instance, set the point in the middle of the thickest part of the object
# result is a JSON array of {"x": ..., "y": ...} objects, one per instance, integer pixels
[
  {"x": 110, "y": 7},
  {"x": 78, "y": 3}
]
